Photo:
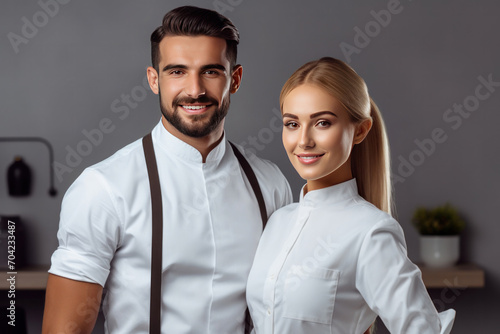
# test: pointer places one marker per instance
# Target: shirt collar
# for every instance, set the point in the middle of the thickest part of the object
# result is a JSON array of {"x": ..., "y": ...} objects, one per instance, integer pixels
[
  {"x": 329, "y": 195},
  {"x": 174, "y": 146}
]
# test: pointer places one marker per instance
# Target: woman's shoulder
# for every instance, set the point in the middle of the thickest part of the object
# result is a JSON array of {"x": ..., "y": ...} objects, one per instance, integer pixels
[
  {"x": 368, "y": 215},
  {"x": 285, "y": 210},
  {"x": 376, "y": 223},
  {"x": 283, "y": 215}
]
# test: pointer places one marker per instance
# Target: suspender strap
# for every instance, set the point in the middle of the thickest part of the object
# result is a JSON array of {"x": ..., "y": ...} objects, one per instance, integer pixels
[
  {"x": 262, "y": 207},
  {"x": 253, "y": 182},
  {"x": 156, "y": 241}
]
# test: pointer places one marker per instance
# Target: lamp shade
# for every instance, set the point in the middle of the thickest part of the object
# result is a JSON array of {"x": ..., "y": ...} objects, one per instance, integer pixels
[{"x": 19, "y": 178}]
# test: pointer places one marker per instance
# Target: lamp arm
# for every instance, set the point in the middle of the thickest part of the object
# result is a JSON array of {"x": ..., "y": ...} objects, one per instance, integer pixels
[{"x": 52, "y": 190}]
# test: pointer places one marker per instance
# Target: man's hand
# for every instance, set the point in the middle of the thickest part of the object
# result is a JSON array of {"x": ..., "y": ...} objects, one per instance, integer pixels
[{"x": 70, "y": 306}]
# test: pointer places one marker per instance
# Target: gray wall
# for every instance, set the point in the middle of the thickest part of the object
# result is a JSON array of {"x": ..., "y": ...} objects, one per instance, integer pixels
[{"x": 85, "y": 58}]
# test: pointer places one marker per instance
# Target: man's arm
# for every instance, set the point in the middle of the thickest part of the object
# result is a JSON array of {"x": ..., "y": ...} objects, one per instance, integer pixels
[{"x": 70, "y": 306}]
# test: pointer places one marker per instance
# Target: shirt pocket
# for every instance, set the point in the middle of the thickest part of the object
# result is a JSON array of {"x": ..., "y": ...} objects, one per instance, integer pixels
[{"x": 310, "y": 296}]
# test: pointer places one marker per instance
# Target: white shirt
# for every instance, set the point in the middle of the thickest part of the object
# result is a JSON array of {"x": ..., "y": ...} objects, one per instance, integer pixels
[
  {"x": 212, "y": 225},
  {"x": 331, "y": 264}
]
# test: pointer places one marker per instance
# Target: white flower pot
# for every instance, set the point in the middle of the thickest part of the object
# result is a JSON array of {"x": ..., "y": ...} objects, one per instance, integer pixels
[{"x": 439, "y": 251}]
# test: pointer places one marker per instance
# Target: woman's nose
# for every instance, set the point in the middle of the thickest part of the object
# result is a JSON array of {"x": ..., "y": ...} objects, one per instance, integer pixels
[{"x": 306, "y": 141}]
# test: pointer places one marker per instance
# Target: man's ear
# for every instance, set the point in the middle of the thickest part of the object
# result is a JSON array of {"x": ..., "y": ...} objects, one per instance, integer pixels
[
  {"x": 153, "y": 79},
  {"x": 362, "y": 130},
  {"x": 236, "y": 78}
]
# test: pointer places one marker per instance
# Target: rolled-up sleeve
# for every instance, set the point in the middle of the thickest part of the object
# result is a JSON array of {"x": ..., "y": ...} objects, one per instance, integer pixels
[
  {"x": 89, "y": 231},
  {"x": 392, "y": 285}
]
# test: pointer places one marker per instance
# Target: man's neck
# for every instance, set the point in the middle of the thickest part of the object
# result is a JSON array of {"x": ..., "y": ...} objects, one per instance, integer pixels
[{"x": 204, "y": 145}]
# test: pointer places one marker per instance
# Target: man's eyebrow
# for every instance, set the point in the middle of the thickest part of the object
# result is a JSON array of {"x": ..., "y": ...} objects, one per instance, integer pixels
[
  {"x": 213, "y": 66},
  {"x": 172, "y": 66},
  {"x": 203, "y": 68},
  {"x": 320, "y": 113}
]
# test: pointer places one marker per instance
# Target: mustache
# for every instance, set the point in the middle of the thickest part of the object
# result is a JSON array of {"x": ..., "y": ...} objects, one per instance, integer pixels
[{"x": 189, "y": 100}]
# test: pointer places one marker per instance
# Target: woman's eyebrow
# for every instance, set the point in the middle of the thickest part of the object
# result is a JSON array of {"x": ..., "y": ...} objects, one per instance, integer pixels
[
  {"x": 320, "y": 113},
  {"x": 290, "y": 116}
]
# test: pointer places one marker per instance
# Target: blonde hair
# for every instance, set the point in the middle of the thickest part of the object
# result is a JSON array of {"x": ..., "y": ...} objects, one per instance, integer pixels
[{"x": 370, "y": 162}]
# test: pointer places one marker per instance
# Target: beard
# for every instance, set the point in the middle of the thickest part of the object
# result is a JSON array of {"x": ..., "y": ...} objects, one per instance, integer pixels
[{"x": 198, "y": 125}]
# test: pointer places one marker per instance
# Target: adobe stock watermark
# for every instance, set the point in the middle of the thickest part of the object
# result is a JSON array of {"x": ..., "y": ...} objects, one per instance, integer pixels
[
  {"x": 373, "y": 28},
  {"x": 31, "y": 25},
  {"x": 266, "y": 135},
  {"x": 323, "y": 250},
  {"x": 121, "y": 107},
  {"x": 223, "y": 6},
  {"x": 448, "y": 295},
  {"x": 298, "y": 273},
  {"x": 452, "y": 117},
  {"x": 88, "y": 310}
]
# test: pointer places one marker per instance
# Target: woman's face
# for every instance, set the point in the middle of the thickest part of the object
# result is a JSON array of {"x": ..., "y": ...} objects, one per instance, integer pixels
[{"x": 318, "y": 136}]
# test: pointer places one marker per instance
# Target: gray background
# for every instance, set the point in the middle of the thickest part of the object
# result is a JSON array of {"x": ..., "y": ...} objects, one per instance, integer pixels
[{"x": 65, "y": 79}]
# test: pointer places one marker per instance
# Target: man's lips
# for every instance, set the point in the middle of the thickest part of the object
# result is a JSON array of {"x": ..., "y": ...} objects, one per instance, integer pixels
[
  {"x": 196, "y": 108},
  {"x": 309, "y": 158}
]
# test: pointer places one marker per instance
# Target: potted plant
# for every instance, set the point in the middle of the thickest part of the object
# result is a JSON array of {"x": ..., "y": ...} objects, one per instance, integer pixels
[{"x": 439, "y": 230}]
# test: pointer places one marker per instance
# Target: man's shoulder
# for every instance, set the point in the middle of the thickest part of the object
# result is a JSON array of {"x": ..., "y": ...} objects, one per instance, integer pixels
[
  {"x": 258, "y": 164},
  {"x": 124, "y": 164},
  {"x": 122, "y": 160},
  {"x": 271, "y": 180}
]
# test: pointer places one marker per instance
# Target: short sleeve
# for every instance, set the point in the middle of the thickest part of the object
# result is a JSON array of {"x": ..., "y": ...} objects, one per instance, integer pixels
[
  {"x": 392, "y": 285},
  {"x": 89, "y": 231}
]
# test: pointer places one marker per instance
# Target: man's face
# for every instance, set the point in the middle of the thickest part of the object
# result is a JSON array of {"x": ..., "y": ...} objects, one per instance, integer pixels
[{"x": 194, "y": 81}]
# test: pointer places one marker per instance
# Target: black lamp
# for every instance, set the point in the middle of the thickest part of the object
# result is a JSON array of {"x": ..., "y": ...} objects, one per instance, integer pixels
[
  {"x": 19, "y": 173},
  {"x": 19, "y": 178}
]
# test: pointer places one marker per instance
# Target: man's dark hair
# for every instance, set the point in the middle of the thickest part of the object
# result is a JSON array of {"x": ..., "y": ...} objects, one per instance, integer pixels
[{"x": 194, "y": 21}]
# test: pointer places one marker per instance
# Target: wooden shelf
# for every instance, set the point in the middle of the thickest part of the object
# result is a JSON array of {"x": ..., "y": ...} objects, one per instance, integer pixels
[
  {"x": 466, "y": 275},
  {"x": 33, "y": 278}
]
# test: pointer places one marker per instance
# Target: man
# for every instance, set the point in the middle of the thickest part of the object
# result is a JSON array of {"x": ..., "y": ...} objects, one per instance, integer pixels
[{"x": 211, "y": 220}]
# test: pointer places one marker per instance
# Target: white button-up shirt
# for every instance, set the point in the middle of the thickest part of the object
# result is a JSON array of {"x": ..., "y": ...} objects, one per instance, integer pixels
[
  {"x": 212, "y": 225},
  {"x": 333, "y": 262}
]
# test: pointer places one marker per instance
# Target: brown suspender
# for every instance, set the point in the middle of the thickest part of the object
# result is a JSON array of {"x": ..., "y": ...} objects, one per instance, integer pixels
[
  {"x": 157, "y": 233},
  {"x": 262, "y": 206},
  {"x": 157, "y": 230},
  {"x": 253, "y": 182}
]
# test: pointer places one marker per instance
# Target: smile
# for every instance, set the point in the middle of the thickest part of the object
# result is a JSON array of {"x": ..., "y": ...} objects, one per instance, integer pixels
[
  {"x": 195, "y": 109},
  {"x": 309, "y": 158}
]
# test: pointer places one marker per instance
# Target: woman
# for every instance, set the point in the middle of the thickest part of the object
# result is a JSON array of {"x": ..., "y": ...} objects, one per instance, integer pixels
[{"x": 334, "y": 261}]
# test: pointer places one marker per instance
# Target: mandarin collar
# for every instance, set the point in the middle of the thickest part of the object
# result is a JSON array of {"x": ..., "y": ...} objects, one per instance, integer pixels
[
  {"x": 174, "y": 146},
  {"x": 329, "y": 195}
]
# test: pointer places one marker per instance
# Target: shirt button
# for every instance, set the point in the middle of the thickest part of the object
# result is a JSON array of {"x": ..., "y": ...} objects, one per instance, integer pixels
[
  {"x": 271, "y": 277},
  {"x": 268, "y": 311}
]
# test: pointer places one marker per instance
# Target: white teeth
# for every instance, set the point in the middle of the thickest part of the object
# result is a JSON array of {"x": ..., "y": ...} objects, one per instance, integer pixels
[
  {"x": 308, "y": 158},
  {"x": 193, "y": 107}
]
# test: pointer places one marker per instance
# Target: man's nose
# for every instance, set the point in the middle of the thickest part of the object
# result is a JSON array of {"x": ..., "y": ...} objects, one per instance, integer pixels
[{"x": 194, "y": 87}]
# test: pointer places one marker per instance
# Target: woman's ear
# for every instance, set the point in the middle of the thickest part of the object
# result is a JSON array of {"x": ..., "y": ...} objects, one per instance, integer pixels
[{"x": 362, "y": 130}]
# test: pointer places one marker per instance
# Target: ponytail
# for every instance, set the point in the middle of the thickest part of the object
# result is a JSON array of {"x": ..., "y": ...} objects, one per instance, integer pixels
[{"x": 370, "y": 164}]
